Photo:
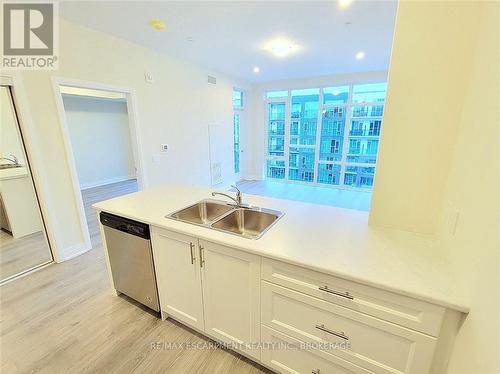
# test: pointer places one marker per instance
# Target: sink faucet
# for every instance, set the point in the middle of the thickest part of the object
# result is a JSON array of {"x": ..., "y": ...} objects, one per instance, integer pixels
[
  {"x": 237, "y": 200},
  {"x": 11, "y": 158}
]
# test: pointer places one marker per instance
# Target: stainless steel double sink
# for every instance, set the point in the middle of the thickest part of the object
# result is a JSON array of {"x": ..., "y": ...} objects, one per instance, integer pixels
[{"x": 245, "y": 221}]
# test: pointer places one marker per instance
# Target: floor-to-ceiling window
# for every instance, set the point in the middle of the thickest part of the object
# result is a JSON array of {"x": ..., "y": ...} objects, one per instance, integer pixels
[
  {"x": 325, "y": 136},
  {"x": 237, "y": 106}
]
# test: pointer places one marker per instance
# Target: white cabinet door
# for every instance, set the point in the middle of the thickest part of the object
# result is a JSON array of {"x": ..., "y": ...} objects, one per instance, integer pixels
[
  {"x": 177, "y": 269},
  {"x": 231, "y": 296}
]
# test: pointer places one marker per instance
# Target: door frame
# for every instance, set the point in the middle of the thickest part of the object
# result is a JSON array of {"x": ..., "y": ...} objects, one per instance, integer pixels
[
  {"x": 24, "y": 122},
  {"x": 135, "y": 137}
]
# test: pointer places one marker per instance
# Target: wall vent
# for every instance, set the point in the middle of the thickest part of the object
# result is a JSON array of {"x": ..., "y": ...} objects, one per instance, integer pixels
[{"x": 212, "y": 80}]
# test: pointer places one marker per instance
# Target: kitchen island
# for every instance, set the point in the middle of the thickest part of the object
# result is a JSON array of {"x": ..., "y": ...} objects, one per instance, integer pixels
[{"x": 320, "y": 274}]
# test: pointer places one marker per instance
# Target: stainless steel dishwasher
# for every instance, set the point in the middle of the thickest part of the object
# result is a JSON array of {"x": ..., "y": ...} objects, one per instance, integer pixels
[{"x": 131, "y": 258}]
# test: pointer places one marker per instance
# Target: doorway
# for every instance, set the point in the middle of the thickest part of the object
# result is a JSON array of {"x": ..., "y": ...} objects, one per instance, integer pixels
[
  {"x": 102, "y": 148},
  {"x": 24, "y": 245}
]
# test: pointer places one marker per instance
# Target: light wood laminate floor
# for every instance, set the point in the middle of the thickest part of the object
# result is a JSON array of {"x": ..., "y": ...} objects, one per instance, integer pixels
[
  {"x": 21, "y": 254},
  {"x": 93, "y": 195},
  {"x": 64, "y": 319},
  {"x": 359, "y": 200}
]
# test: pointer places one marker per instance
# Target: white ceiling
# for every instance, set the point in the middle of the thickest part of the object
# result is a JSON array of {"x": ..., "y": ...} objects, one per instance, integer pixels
[{"x": 228, "y": 36}]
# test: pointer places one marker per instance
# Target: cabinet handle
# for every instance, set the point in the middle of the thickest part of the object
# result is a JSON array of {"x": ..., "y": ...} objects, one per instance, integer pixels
[
  {"x": 336, "y": 293},
  {"x": 202, "y": 260},
  {"x": 191, "y": 245},
  {"x": 315, "y": 371},
  {"x": 337, "y": 334}
]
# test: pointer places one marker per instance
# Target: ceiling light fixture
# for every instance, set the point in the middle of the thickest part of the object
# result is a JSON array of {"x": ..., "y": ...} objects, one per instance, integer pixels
[
  {"x": 281, "y": 47},
  {"x": 360, "y": 55},
  {"x": 344, "y": 4},
  {"x": 256, "y": 69},
  {"x": 157, "y": 24}
]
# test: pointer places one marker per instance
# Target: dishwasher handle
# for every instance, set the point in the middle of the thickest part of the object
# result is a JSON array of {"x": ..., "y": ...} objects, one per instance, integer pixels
[{"x": 126, "y": 225}]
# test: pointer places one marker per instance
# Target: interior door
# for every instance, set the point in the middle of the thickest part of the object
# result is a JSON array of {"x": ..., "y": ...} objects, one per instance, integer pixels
[
  {"x": 178, "y": 276},
  {"x": 231, "y": 296}
]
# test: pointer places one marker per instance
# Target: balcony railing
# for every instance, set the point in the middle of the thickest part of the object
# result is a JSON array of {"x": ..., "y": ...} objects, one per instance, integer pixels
[{"x": 364, "y": 132}]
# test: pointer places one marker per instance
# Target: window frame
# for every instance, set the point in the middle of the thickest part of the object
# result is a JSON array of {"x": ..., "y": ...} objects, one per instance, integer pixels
[
  {"x": 242, "y": 100},
  {"x": 238, "y": 111},
  {"x": 343, "y": 163}
]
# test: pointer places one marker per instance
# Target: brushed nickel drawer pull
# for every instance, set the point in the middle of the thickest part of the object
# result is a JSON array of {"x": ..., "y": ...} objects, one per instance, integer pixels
[
  {"x": 337, "y": 334},
  {"x": 191, "y": 245},
  {"x": 202, "y": 260},
  {"x": 346, "y": 295}
]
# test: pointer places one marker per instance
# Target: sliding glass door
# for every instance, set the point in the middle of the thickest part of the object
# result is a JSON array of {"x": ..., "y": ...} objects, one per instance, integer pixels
[{"x": 325, "y": 136}]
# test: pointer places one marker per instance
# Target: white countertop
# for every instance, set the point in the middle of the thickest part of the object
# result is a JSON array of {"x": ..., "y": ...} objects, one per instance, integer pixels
[{"x": 332, "y": 240}]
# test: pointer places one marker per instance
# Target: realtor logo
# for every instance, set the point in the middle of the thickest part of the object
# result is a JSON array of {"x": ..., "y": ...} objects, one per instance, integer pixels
[{"x": 29, "y": 36}]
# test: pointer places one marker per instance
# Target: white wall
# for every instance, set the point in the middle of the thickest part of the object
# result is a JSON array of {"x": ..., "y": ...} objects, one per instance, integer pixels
[
  {"x": 258, "y": 108},
  {"x": 439, "y": 160},
  {"x": 100, "y": 139},
  {"x": 176, "y": 109},
  {"x": 10, "y": 141},
  {"x": 427, "y": 80},
  {"x": 472, "y": 189}
]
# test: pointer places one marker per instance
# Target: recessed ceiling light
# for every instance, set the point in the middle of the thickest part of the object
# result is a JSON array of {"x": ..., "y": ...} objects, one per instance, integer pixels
[
  {"x": 343, "y": 4},
  {"x": 157, "y": 24},
  {"x": 256, "y": 69},
  {"x": 281, "y": 47},
  {"x": 360, "y": 55}
]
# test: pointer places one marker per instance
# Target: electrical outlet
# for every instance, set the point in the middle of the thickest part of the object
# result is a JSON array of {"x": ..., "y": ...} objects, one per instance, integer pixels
[{"x": 164, "y": 147}]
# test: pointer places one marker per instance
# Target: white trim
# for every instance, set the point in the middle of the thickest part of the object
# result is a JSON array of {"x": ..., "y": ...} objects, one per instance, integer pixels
[
  {"x": 345, "y": 142},
  {"x": 319, "y": 128},
  {"x": 134, "y": 135},
  {"x": 25, "y": 123},
  {"x": 25, "y": 272},
  {"x": 91, "y": 93},
  {"x": 6, "y": 80},
  {"x": 104, "y": 182},
  {"x": 74, "y": 251},
  {"x": 72, "y": 166}
]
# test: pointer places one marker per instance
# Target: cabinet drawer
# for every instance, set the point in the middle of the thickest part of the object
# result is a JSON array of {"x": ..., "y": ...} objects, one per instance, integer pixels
[
  {"x": 287, "y": 355},
  {"x": 374, "y": 344},
  {"x": 388, "y": 306}
]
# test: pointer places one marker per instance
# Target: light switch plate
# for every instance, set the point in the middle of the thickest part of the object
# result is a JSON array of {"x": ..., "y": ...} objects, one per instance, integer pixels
[
  {"x": 148, "y": 77},
  {"x": 164, "y": 147}
]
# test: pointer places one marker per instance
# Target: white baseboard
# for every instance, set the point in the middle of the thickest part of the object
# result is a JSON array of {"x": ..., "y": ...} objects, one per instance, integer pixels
[
  {"x": 84, "y": 186},
  {"x": 73, "y": 251}
]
